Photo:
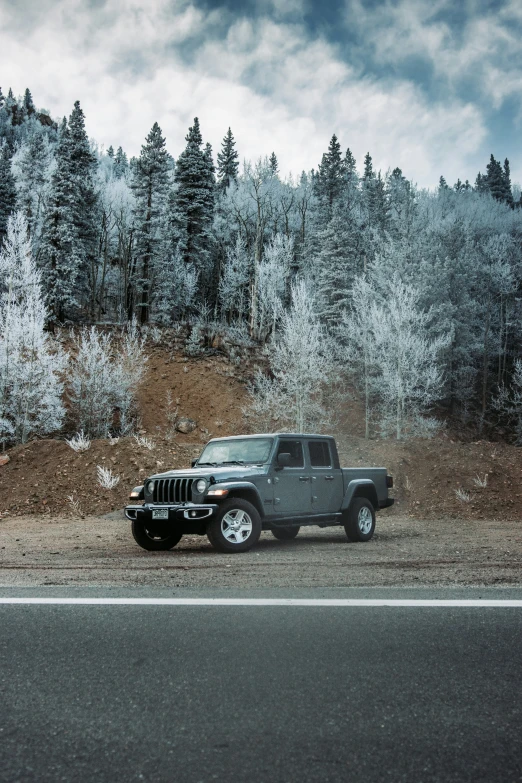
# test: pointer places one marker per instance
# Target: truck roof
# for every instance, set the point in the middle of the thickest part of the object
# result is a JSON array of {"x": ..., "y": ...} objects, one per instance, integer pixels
[{"x": 275, "y": 435}]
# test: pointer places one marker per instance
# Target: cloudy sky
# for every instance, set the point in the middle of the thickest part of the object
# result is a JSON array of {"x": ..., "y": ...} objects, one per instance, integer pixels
[{"x": 432, "y": 86}]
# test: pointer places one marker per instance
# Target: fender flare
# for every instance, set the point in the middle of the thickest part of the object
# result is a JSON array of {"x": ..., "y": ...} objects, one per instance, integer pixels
[
  {"x": 245, "y": 488},
  {"x": 368, "y": 491}
]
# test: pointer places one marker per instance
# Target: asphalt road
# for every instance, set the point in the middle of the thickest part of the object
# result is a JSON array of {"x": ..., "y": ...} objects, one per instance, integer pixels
[{"x": 260, "y": 693}]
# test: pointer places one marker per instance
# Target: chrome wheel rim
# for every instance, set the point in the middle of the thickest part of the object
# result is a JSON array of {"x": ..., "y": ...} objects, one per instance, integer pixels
[
  {"x": 236, "y": 526},
  {"x": 365, "y": 520}
]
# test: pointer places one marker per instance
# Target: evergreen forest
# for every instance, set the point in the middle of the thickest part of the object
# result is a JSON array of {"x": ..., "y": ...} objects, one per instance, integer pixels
[{"x": 347, "y": 277}]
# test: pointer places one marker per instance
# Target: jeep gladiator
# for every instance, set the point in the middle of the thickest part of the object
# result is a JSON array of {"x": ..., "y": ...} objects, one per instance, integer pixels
[{"x": 244, "y": 484}]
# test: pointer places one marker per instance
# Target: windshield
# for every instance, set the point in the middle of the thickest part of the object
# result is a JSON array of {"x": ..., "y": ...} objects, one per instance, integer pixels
[{"x": 255, "y": 450}]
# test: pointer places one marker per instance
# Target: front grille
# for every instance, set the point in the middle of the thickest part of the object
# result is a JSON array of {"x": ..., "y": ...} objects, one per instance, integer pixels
[{"x": 173, "y": 490}]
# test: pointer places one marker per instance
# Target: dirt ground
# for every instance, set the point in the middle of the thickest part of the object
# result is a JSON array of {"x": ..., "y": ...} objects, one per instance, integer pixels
[
  {"x": 58, "y": 526},
  {"x": 405, "y": 551}
]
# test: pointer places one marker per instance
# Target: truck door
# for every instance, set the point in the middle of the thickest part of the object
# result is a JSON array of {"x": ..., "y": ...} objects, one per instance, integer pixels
[
  {"x": 292, "y": 494},
  {"x": 326, "y": 481}
]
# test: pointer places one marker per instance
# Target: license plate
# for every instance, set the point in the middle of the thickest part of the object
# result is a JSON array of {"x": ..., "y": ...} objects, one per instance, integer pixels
[{"x": 160, "y": 513}]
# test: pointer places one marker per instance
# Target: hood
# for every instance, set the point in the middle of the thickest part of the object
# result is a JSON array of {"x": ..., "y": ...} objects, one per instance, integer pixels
[{"x": 224, "y": 473}]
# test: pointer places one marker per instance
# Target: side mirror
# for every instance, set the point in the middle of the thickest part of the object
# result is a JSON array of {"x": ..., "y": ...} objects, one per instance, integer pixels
[
  {"x": 283, "y": 459},
  {"x": 194, "y": 463}
]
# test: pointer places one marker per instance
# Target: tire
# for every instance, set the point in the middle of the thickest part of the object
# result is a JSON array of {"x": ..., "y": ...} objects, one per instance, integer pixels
[
  {"x": 236, "y": 526},
  {"x": 285, "y": 533},
  {"x": 154, "y": 537},
  {"x": 360, "y": 520}
]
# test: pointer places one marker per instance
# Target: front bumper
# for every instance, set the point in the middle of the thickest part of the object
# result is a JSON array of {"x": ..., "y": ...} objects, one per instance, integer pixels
[{"x": 191, "y": 512}]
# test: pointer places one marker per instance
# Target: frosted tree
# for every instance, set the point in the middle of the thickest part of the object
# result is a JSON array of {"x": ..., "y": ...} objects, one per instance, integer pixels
[
  {"x": 300, "y": 362},
  {"x": 228, "y": 166},
  {"x": 339, "y": 260},
  {"x": 68, "y": 248},
  {"x": 30, "y": 364},
  {"x": 233, "y": 284},
  {"x": 508, "y": 401},
  {"x": 177, "y": 289},
  {"x": 7, "y": 190},
  {"x": 33, "y": 165},
  {"x": 273, "y": 276},
  {"x": 193, "y": 203},
  {"x": 329, "y": 181},
  {"x": 103, "y": 380},
  {"x": 357, "y": 346},
  {"x": 150, "y": 184},
  {"x": 410, "y": 377}
]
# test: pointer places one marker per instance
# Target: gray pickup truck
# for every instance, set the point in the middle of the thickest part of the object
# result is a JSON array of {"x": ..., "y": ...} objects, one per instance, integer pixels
[{"x": 242, "y": 485}]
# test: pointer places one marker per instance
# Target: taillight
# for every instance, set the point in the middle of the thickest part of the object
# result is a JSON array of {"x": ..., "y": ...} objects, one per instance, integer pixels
[{"x": 389, "y": 481}]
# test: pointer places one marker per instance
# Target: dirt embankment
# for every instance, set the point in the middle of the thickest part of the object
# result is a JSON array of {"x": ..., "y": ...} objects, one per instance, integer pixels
[{"x": 42, "y": 476}]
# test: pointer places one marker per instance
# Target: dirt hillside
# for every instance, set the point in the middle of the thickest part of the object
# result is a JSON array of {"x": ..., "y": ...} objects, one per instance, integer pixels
[{"x": 47, "y": 476}]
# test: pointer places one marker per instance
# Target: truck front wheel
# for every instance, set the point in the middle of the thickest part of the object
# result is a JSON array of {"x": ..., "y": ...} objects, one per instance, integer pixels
[
  {"x": 236, "y": 526},
  {"x": 153, "y": 536},
  {"x": 360, "y": 520}
]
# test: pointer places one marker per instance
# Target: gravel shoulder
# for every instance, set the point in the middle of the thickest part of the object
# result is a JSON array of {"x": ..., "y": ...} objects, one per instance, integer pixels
[{"x": 405, "y": 551}]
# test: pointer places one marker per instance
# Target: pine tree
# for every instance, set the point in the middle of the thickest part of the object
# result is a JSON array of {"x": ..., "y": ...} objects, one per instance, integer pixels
[
  {"x": 193, "y": 203},
  {"x": 374, "y": 198},
  {"x": 31, "y": 167},
  {"x": 28, "y": 103},
  {"x": 12, "y": 108},
  {"x": 274, "y": 165},
  {"x": 338, "y": 262},
  {"x": 110, "y": 152},
  {"x": 495, "y": 179},
  {"x": 329, "y": 180},
  {"x": 68, "y": 251},
  {"x": 508, "y": 193},
  {"x": 60, "y": 255},
  {"x": 228, "y": 165},
  {"x": 150, "y": 183},
  {"x": 2, "y": 98},
  {"x": 7, "y": 190},
  {"x": 481, "y": 183},
  {"x": 443, "y": 185},
  {"x": 121, "y": 164}
]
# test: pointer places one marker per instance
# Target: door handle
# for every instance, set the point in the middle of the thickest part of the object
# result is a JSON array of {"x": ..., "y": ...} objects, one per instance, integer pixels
[
  {"x": 303, "y": 478},
  {"x": 328, "y": 478}
]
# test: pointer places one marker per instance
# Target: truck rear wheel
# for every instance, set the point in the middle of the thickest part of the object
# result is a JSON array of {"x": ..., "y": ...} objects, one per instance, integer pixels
[
  {"x": 360, "y": 520},
  {"x": 285, "y": 533},
  {"x": 153, "y": 536},
  {"x": 236, "y": 526}
]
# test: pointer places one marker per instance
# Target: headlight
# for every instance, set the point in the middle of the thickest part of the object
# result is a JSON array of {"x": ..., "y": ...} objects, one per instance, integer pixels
[
  {"x": 201, "y": 486},
  {"x": 150, "y": 487}
]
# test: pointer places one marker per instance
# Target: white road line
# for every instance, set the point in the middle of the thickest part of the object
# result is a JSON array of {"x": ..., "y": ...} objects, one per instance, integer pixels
[{"x": 326, "y": 602}]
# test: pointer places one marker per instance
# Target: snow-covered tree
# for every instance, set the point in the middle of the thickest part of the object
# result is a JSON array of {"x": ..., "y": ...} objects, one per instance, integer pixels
[
  {"x": 410, "y": 377},
  {"x": 300, "y": 362},
  {"x": 273, "y": 276},
  {"x": 32, "y": 170},
  {"x": 30, "y": 364},
  {"x": 7, "y": 190},
  {"x": 103, "y": 380},
  {"x": 150, "y": 185},
  {"x": 233, "y": 284},
  {"x": 193, "y": 203},
  {"x": 228, "y": 166},
  {"x": 176, "y": 289},
  {"x": 357, "y": 350}
]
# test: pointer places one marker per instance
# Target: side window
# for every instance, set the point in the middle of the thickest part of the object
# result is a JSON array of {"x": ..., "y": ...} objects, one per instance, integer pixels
[
  {"x": 319, "y": 454},
  {"x": 295, "y": 449}
]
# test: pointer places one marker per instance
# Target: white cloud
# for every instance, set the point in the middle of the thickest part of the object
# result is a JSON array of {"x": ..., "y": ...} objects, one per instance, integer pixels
[{"x": 131, "y": 63}]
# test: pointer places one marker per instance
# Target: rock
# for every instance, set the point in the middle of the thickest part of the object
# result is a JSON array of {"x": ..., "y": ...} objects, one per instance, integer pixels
[
  {"x": 4, "y": 459},
  {"x": 185, "y": 425}
]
